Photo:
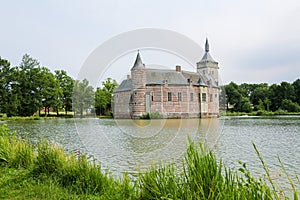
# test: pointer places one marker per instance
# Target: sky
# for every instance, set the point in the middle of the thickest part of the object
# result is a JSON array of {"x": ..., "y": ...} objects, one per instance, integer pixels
[{"x": 253, "y": 41}]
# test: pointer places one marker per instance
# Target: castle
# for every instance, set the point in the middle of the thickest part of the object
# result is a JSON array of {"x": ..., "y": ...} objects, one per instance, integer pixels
[{"x": 171, "y": 93}]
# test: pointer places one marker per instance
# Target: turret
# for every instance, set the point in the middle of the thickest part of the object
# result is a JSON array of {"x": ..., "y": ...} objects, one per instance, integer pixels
[
  {"x": 207, "y": 65},
  {"x": 138, "y": 78}
]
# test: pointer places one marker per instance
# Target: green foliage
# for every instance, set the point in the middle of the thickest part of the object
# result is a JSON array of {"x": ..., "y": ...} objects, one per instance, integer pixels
[
  {"x": 155, "y": 115},
  {"x": 262, "y": 97},
  {"x": 289, "y": 106},
  {"x": 66, "y": 84},
  {"x": 27, "y": 88},
  {"x": 203, "y": 177},
  {"x": 151, "y": 115},
  {"x": 160, "y": 183},
  {"x": 9, "y": 98},
  {"x": 145, "y": 116},
  {"x": 50, "y": 159},
  {"x": 296, "y": 85},
  {"x": 83, "y": 97},
  {"x": 203, "y": 174},
  {"x": 103, "y": 97},
  {"x": 49, "y": 90},
  {"x": 14, "y": 152},
  {"x": 260, "y": 105},
  {"x": 4, "y": 130}
]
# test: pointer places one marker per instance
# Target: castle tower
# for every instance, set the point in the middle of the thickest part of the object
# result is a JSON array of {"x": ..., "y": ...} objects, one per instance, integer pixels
[
  {"x": 207, "y": 65},
  {"x": 138, "y": 78}
]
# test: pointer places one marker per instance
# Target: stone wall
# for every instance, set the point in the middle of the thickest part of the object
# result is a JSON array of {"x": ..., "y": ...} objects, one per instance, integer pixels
[{"x": 121, "y": 105}]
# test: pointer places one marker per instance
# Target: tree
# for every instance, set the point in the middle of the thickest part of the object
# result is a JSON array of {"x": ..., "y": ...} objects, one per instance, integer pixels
[
  {"x": 83, "y": 96},
  {"x": 260, "y": 93},
  {"x": 278, "y": 93},
  {"x": 275, "y": 97},
  {"x": 296, "y": 85},
  {"x": 233, "y": 96},
  {"x": 101, "y": 101},
  {"x": 49, "y": 90},
  {"x": 103, "y": 97},
  {"x": 9, "y": 102},
  {"x": 66, "y": 84},
  {"x": 260, "y": 106},
  {"x": 28, "y": 84},
  {"x": 245, "y": 105},
  {"x": 290, "y": 106},
  {"x": 4, "y": 83},
  {"x": 287, "y": 91}
]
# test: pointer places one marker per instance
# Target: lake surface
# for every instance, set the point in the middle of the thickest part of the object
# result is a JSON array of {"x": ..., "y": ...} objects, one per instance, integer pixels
[{"x": 127, "y": 145}]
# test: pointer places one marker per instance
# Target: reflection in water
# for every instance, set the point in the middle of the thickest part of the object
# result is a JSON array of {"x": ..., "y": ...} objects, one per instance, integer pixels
[
  {"x": 132, "y": 145},
  {"x": 126, "y": 145}
]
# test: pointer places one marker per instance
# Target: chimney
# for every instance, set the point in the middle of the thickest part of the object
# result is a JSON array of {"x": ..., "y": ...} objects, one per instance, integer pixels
[
  {"x": 178, "y": 68},
  {"x": 128, "y": 76}
]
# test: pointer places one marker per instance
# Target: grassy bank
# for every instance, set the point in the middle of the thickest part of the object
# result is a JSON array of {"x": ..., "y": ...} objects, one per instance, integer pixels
[
  {"x": 45, "y": 171},
  {"x": 259, "y": 113},
  {"x": 35, "y": 117}
]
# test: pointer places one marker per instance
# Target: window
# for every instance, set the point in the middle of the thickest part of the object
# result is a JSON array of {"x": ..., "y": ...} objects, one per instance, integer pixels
[
  {"x": 192, "y": 96},
  {"x": 169, "y": 96},
  {"x": 203, "y": 97},
  {"x": 211, "y": 98},
  {"x": 152, "y": 98},
  {"x": 179, "y": 96}
]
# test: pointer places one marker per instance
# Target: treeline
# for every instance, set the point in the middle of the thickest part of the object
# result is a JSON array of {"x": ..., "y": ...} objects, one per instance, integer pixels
[
  {"x": 263, "y": 97},
  {"x": 28, "y": 88}
]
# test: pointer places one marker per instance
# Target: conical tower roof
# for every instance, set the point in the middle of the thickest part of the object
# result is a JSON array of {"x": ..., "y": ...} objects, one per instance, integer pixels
[{"x": 138, "y": 64}]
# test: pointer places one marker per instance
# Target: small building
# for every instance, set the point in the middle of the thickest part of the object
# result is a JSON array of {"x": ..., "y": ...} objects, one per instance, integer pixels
[{"x": 169, "y": 93}]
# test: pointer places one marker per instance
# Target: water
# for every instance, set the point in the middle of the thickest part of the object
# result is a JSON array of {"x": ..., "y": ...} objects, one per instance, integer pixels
[{"x": 126, "y": 145}]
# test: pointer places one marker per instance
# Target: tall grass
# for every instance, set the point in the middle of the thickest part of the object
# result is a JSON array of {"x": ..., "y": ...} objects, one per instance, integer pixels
[
  {"x": 13, "y": 151},
  {"x": 202, "y": 176}
]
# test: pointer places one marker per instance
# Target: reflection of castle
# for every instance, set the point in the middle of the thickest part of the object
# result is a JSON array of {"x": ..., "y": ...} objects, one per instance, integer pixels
[{"x": 171, "y": 93}]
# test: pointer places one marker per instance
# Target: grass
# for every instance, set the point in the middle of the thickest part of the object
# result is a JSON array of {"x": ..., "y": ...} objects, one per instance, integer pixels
[
  {"x": 51, "y": 115},
  {"x": 45, "y": 171},
  {"x": 258, "y": 113}
]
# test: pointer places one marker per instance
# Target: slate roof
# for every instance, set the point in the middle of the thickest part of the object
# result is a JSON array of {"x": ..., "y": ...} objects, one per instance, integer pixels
[
  {"x": 159, "y": 76},
  {"x": 138, "y": 64},
  {"x": 124, "y": 86},
  {"x": 207, "y": 57},
  {"x": 196, "y": 78}
]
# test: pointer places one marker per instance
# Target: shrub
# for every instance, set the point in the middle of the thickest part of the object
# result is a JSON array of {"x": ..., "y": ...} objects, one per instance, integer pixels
[
  {"x": 145, "y": 116},
  {"x": 155, "y": 115}
]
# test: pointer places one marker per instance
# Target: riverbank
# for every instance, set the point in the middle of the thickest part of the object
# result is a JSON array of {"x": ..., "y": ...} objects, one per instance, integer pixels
[
  {"x": 50, "y": 116},
  {"x": 45, "y": 171},
  {"x": 259, "y": 113},
  {"x": 33, "y": 118}
]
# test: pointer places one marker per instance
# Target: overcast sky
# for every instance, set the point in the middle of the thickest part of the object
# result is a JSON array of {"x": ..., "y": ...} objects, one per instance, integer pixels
[{"x": 253, "y": 41}]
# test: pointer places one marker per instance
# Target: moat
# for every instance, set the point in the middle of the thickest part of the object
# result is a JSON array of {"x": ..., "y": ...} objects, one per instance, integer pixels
[{"x": 127, "y": 145}]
